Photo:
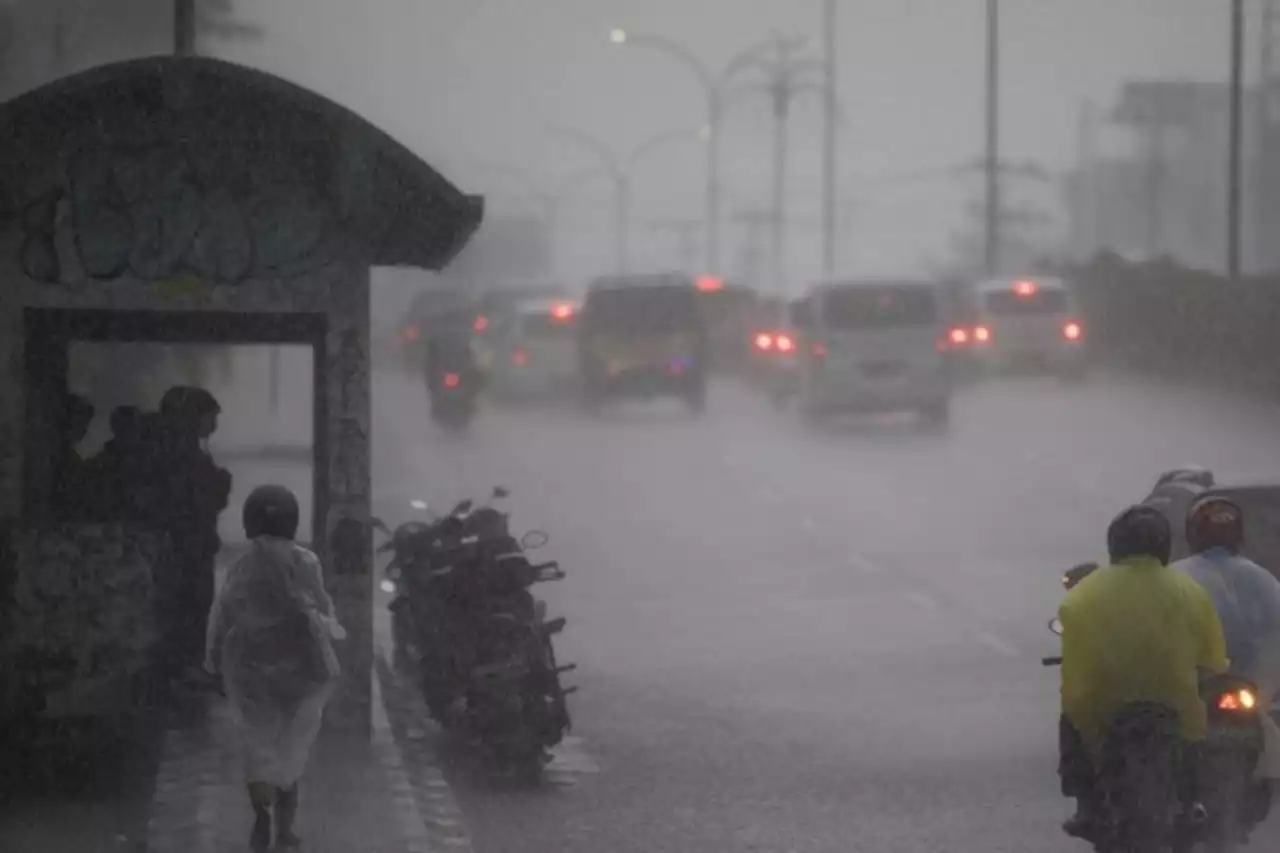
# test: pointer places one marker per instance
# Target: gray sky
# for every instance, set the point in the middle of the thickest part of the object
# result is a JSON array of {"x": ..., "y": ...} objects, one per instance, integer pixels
[{"x": 466, "y": 82}]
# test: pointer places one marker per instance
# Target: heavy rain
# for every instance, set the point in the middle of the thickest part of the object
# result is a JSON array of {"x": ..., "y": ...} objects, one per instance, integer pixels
[{"x": 786, "y": 426}]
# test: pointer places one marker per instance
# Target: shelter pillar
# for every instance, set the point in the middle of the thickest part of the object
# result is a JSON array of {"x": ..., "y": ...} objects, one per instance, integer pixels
[{"x": 344, "y": 410}]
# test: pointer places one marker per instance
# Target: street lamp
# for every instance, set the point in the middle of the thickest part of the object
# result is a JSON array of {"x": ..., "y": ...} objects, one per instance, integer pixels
[
  {"x": 620, "y": 169},
  {"x": 787, "y": 72},
  {"x": 715, "y": 85}
]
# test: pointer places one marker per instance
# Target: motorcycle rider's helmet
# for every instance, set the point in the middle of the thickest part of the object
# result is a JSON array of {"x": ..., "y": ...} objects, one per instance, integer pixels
[
  {"x": 1215, "y": 522},
  {"x": 271, "y": 511},
  {"x": 1140, "y": 530}
]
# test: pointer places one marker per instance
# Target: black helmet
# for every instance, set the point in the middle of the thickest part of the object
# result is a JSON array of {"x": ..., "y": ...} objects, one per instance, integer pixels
[
  {"x": 1215, "y": 522},
  {"x": 189, "y": 403},
  {"x": 271, "y": 511},
  {"x": 1140, "y": 531},
  {"x": 126, "y": 422}
]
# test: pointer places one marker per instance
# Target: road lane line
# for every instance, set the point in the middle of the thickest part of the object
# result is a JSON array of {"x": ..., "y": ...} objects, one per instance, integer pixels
[
  {"x": 413, "y": 825},
  {"x": 414, "y": 771},
  {"x": 997, "y": 644},
  {"x": 923, "y": 599},
  {"x": 571, "y": 757},
  {"x": 864, "y": 565}
]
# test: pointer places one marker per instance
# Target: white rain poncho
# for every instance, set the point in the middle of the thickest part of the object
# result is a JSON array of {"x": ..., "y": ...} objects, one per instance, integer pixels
[
  {"x": 271, "y": 633},
  {"x": 1247, "y": 598}
]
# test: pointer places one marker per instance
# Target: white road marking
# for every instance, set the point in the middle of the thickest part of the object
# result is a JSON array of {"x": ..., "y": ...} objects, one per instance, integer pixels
[
  {"x": 571, "y": 756},
  {"x": 412, "y": 823},
  {"x": 997, "y": 644},
  {"x": 923, "y": 599},
  {"x": 864, "y": 565}
]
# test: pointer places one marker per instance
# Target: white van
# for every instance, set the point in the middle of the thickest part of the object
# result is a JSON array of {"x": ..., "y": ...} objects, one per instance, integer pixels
[
  {"x": 1027, "y": 322},
  {"x": 874, "y": 346}
]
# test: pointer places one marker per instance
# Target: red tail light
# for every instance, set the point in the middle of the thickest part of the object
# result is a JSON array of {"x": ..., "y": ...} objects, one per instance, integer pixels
[
  {"x": 480, "y": 323},
  {"x": 1073, "y": 331},
  {"x": 519, "y": 356},
  {"x": 981, "y": 335},
  {"x": 786, "y": 343},
  {"x": 764, "y": 341},
  {"x": 451, "y": 380},
  {"x": 410, "y": 334},
  {"x": 958, "y": 336},
  {"x": 1237, "y": 700}
]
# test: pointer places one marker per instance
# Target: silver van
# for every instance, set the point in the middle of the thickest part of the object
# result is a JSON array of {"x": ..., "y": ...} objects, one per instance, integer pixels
[{"x": 874, "y": 346}]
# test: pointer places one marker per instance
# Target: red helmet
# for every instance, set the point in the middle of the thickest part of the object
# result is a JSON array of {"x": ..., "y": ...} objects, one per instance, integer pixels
[{"x": 1215, "y": 522}]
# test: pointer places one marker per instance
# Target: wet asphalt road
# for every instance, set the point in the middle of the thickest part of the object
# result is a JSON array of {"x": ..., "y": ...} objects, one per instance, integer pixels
[{"x": 801, "y": 640}]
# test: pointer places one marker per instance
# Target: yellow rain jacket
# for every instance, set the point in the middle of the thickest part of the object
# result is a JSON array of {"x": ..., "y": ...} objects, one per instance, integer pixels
[{"x": 1137, "y": 632}]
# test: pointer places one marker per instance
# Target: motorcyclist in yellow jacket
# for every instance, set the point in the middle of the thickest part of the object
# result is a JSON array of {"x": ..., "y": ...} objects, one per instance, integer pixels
[{"x": 1133, "y": 631}]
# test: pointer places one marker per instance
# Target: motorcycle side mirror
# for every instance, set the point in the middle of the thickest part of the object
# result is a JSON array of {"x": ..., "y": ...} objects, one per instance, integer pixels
[
  {"x": 379, "y": 525},
  {"x": 1055, "y": 625},
  {"x": 463, "y": 507},
  {"x": 500, "y": 492},
  {"x": 534, "y": 539},
  {"x": 1078, "y": 573}
]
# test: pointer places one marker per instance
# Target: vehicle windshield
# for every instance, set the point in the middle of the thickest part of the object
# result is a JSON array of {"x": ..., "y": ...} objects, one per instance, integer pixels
[
  {"x": 1007, "y": 303},
  {"x": 887, "y": 307},
  {"x": 643, "y": 310}
]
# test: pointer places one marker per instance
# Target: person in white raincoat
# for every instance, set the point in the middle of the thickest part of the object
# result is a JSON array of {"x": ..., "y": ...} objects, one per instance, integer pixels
[
  {"x": 1247, "y": 598},
  {"x": 271, "y": 633}
]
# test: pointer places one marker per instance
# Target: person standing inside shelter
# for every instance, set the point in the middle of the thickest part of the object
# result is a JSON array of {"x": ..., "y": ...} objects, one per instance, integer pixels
[{"x": 193, "y": 493}]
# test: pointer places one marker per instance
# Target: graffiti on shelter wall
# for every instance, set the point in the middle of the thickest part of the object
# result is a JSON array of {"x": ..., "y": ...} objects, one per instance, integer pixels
[{"x": 158, "y": 211}]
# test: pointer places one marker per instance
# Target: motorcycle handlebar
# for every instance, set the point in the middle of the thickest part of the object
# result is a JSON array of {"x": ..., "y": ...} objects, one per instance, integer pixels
[{"x": 1053, "y": 661}]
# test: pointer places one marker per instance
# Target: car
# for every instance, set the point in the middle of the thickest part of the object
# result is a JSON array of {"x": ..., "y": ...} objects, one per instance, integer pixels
[
  {"x": 774, "y": 362},
  {"x": 643, "y": 336},
  {"x": 538, "y": 351},
  {"x": 1021, "y": 323},
  {"x": 870, "y": 346}
]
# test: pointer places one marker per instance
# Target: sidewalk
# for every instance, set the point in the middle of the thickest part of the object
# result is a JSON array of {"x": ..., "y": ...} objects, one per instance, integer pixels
[{"x": 357, "y": 794}]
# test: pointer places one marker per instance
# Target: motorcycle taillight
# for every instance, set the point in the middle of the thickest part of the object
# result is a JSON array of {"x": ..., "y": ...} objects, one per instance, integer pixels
[{"x": 1241, "y": 699}]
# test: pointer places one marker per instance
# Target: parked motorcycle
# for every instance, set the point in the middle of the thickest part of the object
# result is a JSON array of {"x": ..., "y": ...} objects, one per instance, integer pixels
[{"x": 466, "y": 622}]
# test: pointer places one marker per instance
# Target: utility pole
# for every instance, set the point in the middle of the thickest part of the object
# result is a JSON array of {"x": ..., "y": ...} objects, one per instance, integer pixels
[
  {"x": 755, "y": 222},
  {"x": 785, "y": 78},
  {"x": 1154, "y": 135},
  {"x": 1234, "y": 182},
  {"x": 1084, "y": 208},
  {"x": 831, "y": 177},
  {"x": 685, "y": 232},
  {"x": 1264, "y": 153},
  {"x": 184, "y": 27},
  {"x": 991, "y": 252}
]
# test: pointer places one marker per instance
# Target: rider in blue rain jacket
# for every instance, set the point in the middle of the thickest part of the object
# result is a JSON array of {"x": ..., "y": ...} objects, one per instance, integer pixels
[{"x": 1246, "y": 596}]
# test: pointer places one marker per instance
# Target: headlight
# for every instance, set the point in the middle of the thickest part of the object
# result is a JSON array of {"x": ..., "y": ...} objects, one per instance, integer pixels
[{"x": 389, "y": 586}]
